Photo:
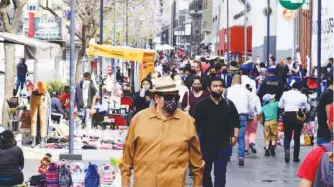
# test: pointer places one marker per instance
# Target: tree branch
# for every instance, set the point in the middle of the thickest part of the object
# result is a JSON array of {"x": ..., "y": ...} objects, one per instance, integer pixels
[
  {"x": 5, "y": 19},
  {"x": 47, "y": 8},
  {"x": 77, "y": 34}
]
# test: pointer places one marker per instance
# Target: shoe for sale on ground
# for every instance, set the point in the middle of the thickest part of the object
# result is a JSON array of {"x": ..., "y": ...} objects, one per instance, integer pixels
[
  {"x": 287, "y": 156},
  {"x": 267, "y": 153},
  {"x": 296, "y": 160},
  {"x": 252, "y": 147},
  {"x": 272, "y": 150},
  {"x": 241, "y": 162}
]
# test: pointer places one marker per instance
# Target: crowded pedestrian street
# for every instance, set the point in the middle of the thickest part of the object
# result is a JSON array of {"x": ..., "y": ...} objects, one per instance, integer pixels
[{"x": 166, "y": 93}]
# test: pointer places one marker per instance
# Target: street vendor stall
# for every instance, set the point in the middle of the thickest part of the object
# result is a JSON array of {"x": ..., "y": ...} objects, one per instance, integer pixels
[
  {"x": 144, "y": 59},
  {"x": 142, "y": 64}
]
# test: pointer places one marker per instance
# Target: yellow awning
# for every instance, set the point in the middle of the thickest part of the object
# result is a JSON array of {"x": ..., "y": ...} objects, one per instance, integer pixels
[{"x": 120, "y": 52}]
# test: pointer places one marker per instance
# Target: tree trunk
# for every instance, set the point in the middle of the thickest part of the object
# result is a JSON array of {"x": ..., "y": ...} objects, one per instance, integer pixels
[{"x": 9, "y": 80}]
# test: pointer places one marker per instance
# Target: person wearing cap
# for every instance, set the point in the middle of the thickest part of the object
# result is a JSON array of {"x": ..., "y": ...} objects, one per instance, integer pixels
[
  {"x": 294, "y": 104},
  {"x": 245, "y": 79},
  {"x": 271, "y": 85},
  {"x": 270, "y": 113},
  {"x": 161, "y": 141},
  {"x": 11, "y": 160}
]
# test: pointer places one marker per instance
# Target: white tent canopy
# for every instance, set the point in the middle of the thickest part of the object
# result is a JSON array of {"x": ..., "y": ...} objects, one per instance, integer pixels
[
  {"x": 43, "y": 53},
  {"x": 164, "y": 47}
]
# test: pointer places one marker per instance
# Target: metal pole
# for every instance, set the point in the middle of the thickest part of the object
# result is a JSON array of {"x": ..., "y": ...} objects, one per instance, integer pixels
[
  {"x": 228, "y": 31},
  {"x": 127, "y": 23},
  {"x": 319, "y": 50},
  {"x": 72, "y": 69},
  {"x": 268, "y": 33},
  {"x": 245, "y": 32},
  {"x": 113, "y": 61},
  {"x": 101, "y": 43}
]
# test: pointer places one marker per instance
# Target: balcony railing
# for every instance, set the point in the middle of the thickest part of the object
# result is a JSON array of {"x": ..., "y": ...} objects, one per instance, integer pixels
[{"x": 195, "y": 6}]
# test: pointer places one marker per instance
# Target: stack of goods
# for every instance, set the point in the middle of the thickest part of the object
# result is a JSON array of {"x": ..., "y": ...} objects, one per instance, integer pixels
[
  {"x": 307, "y": 135},
  {"x": 63, "y": 175}
]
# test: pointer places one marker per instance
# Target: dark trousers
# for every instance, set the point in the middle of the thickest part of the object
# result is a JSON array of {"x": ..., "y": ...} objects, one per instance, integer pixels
[
  {"x": 292, "y": 124},
  {"x": 220, "y": 160},
  {"x": 20, "y": 82}
]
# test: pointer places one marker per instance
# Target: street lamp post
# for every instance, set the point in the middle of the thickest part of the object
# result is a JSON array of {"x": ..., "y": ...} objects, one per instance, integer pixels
[{"x": 245, "y": 32}]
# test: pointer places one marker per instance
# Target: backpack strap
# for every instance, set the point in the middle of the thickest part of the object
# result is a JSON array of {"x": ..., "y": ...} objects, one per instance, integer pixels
[{"x": 328, "y": 147}]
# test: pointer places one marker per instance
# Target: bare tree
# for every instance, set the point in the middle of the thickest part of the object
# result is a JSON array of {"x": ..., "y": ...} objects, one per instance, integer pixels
[
  {"x": 87, "y": 14},
  {"x": 10, "y": 25}
]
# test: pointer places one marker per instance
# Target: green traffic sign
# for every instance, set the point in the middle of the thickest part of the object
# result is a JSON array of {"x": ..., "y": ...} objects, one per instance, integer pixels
[{"x": 292, "y": 4}]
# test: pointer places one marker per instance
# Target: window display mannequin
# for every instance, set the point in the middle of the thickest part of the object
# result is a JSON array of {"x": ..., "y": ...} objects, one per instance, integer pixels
[{"x": 39, "y": 108}]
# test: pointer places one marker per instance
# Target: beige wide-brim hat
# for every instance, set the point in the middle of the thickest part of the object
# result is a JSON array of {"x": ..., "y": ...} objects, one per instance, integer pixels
[{"x": 164, "y": 84}]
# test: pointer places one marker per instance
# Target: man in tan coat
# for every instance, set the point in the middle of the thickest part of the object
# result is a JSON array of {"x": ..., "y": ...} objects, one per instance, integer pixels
[{"x": 161, "y": 143}]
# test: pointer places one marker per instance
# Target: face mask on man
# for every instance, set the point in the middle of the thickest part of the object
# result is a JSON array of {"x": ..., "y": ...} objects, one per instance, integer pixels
[
  {"x": 86, "y": 83},
  {"x": 170, "y": 106},
  {"x": 216, "y": 95},
  {"x": 196, "y": 88}
]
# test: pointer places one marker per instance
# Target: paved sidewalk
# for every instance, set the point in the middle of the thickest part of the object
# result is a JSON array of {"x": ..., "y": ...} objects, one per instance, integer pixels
[{"x": 259, "y": 171}]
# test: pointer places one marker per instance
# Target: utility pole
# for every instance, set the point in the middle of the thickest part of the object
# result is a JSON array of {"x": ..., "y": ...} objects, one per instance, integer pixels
[
  {"x": 101, "y": 43},
  {"x": 127, "y": 22},
  {"x": 245, "y": 32},
  {"x": 228, "y": 31},
  {"x": 268, "y": 33},
  {"x": 319, "y": 50}
]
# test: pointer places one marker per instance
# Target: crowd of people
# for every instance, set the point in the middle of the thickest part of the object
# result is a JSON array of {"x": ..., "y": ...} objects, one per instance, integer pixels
[
  {"x": 192, "y": 112},
  {"x": 225, "y": 102}
]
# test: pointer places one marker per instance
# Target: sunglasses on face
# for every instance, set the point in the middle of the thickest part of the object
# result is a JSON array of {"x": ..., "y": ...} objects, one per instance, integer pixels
[{"x": 169, "y": 97}]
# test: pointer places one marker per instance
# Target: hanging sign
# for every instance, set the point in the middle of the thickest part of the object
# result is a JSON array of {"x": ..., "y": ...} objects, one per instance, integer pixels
[
  {"x": 288, "y": 14},
  {"x": 292, "y": 4}
]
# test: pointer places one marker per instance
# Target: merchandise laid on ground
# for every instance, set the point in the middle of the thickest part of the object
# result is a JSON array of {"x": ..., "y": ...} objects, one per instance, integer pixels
[{"x": 76, "y": 174}]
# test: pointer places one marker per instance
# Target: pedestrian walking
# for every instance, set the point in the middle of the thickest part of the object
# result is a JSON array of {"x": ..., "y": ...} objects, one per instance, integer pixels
[
  {"x": 195, "y": 95},
  {"x": 250, "y": 137},
  {"x": 324, "y": 135},
  {"x": 269, "y": 112},
  {"x": 271, "y": 85},
  {"x": 295, "y": 105},
  {"x": 282, "y": 70},
  {"x": 161, "y": 141},
  {"x": 226, "y": 76},
  {"x": 218, "y": 125},
  {"x": 242, "y": 100},
  {"x": 197, "y": 72},
  {"x": 21, "y": 71},
  {"x": 85, "y": 99},
  {"x": 245, "y": 79}
]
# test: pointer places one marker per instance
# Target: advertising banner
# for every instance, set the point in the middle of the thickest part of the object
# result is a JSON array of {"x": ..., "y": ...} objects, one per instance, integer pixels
[
  {"x": 327, "y": 32},
  {"x": 48, "y": 28}
]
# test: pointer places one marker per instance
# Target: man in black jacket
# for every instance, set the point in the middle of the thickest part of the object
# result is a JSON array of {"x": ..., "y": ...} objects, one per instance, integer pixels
[{"x": 197, "y": 71}]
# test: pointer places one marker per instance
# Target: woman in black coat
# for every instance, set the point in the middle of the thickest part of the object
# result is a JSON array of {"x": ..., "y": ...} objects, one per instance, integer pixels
[
  {"x": 11, "y": 160},
  {"x": 142, "y": 99}
]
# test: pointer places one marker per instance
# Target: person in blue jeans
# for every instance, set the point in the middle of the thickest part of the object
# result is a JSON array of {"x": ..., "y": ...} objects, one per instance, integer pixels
[
  {"x": 217, "y": 122},
  {"x": 22, "y": 70},
  {"x": 242, "y": 99}
]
